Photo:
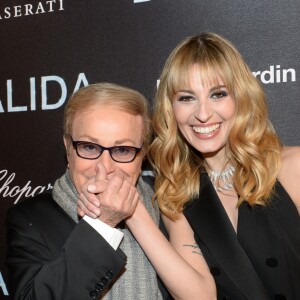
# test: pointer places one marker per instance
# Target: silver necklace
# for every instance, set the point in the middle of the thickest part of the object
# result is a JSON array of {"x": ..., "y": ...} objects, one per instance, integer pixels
[{"x": 222, "y": 180}]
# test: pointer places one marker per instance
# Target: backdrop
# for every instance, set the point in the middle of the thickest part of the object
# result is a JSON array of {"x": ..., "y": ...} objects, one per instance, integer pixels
[{"x": 51, "y": 48}]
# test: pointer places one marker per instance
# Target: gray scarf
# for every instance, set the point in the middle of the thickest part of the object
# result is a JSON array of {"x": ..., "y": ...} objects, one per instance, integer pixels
[{"x": 139, "y": 280}]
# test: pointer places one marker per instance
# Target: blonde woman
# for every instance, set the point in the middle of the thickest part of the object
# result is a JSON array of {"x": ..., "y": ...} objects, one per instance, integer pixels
[{"x": 220, "y": 165}]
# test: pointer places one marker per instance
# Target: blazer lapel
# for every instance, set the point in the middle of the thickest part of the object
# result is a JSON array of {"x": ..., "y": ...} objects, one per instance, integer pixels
[{"x": 213, "y": 228}]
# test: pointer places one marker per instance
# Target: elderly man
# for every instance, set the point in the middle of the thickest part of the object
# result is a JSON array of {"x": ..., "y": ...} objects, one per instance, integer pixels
[{"x": 55, "y": 254}]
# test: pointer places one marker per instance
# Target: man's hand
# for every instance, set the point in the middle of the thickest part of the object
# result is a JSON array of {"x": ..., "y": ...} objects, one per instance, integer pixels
[{"x": 111, "y": 201}]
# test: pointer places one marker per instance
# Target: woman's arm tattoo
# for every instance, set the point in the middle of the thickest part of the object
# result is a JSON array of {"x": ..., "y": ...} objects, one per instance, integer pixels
[{"x": 195, "y": 248}]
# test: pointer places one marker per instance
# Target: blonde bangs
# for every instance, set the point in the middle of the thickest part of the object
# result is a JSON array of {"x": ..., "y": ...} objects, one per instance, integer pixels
[{"x": 211, "y": 66}]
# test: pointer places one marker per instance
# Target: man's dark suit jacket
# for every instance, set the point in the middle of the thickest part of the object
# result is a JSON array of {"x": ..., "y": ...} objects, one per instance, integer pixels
[{"x": 51, "y": 257}]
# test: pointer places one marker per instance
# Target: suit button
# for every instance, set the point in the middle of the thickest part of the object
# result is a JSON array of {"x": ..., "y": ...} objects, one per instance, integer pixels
[
  {"x": 99, "y": 287},
  {"x": 279, "y": 297},
  {"x": 104, "y": 280},
  {"x": 215, "y": 271},
  {"x": 271, "y": 262},
  {"x": 109, "y": 274},
  {"x": 93, "y": 294}
]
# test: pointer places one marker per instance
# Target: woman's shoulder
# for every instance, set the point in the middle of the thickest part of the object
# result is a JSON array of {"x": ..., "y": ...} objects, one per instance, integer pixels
[
  {"x": 291, "y": 151},
  {"x": 291, "y": 160}
]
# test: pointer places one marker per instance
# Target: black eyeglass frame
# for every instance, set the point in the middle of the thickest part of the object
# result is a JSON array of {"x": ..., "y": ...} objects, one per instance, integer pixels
[{"x": 109, "y": 149}]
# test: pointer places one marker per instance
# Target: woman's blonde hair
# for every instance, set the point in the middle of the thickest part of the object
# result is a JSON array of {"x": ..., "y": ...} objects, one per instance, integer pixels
[
  {"x": 108, "y": 94},
  {"x": 253, "y": 145}
]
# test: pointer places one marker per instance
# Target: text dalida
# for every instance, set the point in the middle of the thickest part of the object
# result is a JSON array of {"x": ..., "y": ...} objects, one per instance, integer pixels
[{"x": 8, "y": 190}]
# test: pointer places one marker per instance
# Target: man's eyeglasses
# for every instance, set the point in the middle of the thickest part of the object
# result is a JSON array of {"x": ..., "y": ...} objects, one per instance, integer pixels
[{"x": 121, "y": 154}]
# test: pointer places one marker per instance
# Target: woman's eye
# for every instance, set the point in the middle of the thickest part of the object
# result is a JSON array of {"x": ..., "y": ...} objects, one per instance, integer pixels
[
  {"x": 219, "y": 95},
  {"x": 185, "y": 98}
]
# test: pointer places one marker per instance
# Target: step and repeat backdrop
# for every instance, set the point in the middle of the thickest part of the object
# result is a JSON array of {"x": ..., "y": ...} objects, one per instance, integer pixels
[{"x": 51, "y": 48}]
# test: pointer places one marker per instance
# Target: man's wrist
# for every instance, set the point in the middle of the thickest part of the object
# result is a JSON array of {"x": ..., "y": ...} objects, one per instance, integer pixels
[{"x": 112, "y": 235}]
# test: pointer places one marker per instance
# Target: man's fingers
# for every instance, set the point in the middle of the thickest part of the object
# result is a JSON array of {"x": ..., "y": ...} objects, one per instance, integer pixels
[
  {"x": 101, "y": 172},
  {"x": 80, "y": 212},
  {"x": 95, "y": 187},
  {"x": 88, "y": 207},
  {"x": 116, "y": 181},
  {"x": 111, "y": 200}
]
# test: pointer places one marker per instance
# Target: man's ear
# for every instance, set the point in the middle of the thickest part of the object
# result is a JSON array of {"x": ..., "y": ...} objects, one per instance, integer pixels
[{"x": 67, "y": 146}]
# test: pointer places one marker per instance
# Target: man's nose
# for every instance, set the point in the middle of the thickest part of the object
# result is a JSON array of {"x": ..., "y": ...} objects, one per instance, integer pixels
[{"x": 107, "y": 161}]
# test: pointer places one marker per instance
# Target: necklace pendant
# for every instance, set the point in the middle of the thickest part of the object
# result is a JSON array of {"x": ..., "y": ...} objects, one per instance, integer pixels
[{"x": 222, "y": 180}]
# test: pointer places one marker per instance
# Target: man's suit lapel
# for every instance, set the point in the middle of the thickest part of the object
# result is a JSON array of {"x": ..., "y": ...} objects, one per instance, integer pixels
[{"x": 213, "y": 228}]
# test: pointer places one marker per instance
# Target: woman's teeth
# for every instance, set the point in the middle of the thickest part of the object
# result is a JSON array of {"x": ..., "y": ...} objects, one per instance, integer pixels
[{"x": 208, "y": 129}]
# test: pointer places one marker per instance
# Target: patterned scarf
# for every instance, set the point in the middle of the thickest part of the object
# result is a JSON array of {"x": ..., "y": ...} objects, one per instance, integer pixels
[{"x": 139, "y": 280}]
